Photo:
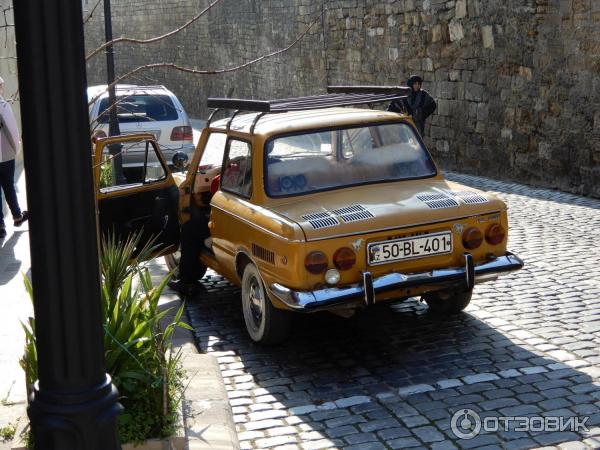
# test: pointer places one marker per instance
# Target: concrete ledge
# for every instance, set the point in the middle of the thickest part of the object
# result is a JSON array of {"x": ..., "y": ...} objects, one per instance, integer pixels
[{"x": 208, "y": 416}]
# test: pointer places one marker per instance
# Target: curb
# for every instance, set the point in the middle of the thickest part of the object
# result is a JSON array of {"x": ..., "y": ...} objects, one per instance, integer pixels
[{"x": 207, "y": 415}]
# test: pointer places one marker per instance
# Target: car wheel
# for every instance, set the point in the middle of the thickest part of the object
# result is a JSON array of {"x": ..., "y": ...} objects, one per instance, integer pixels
[
  {"x": 265, "y": 323},
  {"x": 447, "y": 302},
  {"x": 172, "y": 262}
]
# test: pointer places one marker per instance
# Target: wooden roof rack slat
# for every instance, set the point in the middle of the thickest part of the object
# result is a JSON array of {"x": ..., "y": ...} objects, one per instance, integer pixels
[{"x": 336, "y": 96}]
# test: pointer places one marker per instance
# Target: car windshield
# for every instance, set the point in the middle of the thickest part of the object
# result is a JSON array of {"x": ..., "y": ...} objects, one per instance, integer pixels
[
  {"x": 140, "y": 108},
  {"x": 331, "y": 159}
]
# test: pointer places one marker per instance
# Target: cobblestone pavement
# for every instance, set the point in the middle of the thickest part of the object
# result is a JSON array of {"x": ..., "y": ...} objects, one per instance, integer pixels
[{"x": 392, "y": 377}]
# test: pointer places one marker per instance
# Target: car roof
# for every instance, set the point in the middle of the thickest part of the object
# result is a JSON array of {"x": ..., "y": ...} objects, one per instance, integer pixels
[
  {"x": 290, "y": 122},
  {"x": 100, "y": 91}
]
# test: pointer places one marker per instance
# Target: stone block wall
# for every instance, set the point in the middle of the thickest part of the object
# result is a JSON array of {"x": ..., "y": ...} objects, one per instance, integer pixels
[{"x": 517, "y": 81}]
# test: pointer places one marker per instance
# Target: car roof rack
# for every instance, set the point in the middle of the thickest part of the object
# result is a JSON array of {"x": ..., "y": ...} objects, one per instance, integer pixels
[{"x": 336, "y": 96}]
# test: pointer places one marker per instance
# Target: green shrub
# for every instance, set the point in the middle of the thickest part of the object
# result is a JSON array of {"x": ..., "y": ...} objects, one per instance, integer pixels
[
  {"x": 7, "y": 433},
  {"x": 139, "y": 355},
  {"x": 107, "y": 177}
]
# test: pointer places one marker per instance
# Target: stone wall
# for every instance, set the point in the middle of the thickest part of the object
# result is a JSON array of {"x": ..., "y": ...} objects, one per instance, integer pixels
[{"x": 517, "y": 81}]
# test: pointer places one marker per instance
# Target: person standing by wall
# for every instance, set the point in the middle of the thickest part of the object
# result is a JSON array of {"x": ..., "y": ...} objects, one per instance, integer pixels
[
  {"x": 419, "y": 104},
  {"x": 10, "y": 141}
]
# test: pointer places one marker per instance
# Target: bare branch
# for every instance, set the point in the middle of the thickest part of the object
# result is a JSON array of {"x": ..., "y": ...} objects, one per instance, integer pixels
[
  {"x": 216, "y": 71},
  {"x": 154, "y": 39},
  {"x": 6, "y": 25},
  {"x": 14, "y": 98},
  {"x": 91, "y": 13}
]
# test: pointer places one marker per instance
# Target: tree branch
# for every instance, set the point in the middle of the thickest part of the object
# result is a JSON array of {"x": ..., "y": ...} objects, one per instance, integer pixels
[
  {"x": 216, "y": 71},
  {"x": 91, "y": 13},
  {"x": 154, "y": 39}
]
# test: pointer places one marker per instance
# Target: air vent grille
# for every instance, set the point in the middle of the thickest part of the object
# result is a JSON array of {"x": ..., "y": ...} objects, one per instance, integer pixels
[
  {"x": 470, "y": 197},
  {"x": 353, "y": 213},
  {"x": 321, "y": 220},
  {"x": 263, "y": 253},
  {"x": 437, "y": 201}
]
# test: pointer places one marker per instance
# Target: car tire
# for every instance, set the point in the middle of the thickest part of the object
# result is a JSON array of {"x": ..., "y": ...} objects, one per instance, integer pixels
[
  {"x": 447, "y": 302},
  {"x": 265, "y": 323},
  {"x": 172, "y": 262}
]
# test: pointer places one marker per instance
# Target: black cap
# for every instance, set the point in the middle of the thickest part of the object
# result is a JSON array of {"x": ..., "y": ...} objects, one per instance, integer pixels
[{"x": 412, "y": 79}]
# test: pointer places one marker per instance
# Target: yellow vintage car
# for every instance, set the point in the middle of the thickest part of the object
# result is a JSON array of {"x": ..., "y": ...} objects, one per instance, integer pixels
[{"x": 321, "y": 206}]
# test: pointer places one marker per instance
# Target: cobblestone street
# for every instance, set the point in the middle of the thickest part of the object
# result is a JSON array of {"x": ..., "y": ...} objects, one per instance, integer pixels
[{"x": 393, "y": 376}]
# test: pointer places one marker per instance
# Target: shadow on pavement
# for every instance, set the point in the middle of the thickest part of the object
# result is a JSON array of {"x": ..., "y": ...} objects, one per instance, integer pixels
[
  {"x": 10, "y": 264},
  {"x": 392, "y": 374}
]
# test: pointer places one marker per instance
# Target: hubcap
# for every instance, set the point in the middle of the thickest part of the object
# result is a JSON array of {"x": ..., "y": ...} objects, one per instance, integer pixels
[{"x": 256, "y": 301}]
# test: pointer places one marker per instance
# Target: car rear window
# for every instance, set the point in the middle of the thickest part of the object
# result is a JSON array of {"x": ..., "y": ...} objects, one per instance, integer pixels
[
  {"x": 337, "y": 158},
  {"x": 140, "y": 108}
]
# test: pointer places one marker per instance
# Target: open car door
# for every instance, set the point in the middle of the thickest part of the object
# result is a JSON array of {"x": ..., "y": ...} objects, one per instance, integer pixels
[{"x": 142, "y": 199}]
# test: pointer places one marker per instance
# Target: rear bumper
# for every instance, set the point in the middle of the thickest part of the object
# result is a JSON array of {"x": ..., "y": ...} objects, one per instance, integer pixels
[
  {"x": 363, "y": 294},
  {"x": 135, "y": 157}
]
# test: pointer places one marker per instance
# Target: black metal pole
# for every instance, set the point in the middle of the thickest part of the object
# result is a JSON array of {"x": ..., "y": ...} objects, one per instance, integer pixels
[
  {"x": 113, "y": 122},
  {"x": 74, "y": 404}
]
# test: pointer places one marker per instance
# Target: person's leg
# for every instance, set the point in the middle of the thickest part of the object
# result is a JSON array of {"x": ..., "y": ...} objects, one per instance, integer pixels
[
  {"x": 189, "y": 266},
  {"x": 8, "y": 186},
  {"x": 2, "y": 225},
  {"x": 190, "y": 247}
]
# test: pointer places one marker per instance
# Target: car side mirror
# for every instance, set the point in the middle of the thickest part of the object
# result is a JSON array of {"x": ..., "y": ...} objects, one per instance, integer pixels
[{"x": 180, "y": 160}]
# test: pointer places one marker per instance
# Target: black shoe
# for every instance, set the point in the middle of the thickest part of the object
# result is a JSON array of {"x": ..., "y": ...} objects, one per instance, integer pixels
[
  {"x": 185, "y": 289},
  {"x": 19, "y": 220},
  {"x": 2, "y": 233}
]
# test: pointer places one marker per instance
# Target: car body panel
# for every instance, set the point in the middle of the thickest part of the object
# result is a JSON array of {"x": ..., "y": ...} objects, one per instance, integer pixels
[{"x": 392, "y": 205}]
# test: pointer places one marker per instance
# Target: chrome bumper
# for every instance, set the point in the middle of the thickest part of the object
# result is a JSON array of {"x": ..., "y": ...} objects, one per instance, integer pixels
[{"x": 363, "y": 294}]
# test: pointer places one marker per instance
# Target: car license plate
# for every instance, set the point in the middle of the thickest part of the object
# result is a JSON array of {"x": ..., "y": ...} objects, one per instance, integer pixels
[{"x": 410, "y": 247}]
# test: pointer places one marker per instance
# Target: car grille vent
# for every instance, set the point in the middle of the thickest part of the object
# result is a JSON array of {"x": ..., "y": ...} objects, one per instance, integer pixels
[
  {"x": 353, "y": 213},
  {"x": 263, "y": 253},
  {"x": 438, "y": 201},
  {"x": 470, "y": 197},
  {"x": 321, "y": 220}
]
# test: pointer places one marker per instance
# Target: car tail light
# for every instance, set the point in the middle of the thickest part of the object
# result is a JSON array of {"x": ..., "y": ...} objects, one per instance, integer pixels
[
  {"x": 495, "y": 234},
  {"x": 205, "y": 167},
  {"x": 183, "y": 133},
  {"x": 316, "y": 262},
  {"x": 344, "y": 258},
  {"x": 472, "y": 238}
]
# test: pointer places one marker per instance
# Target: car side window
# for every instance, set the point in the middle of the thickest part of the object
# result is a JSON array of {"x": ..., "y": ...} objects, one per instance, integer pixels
[
  {"x": 113, "y": 178},
  {"x": 213, "y": 151},
  {"x": 237, "y": 171},
  {"x": 154, "y": 168}
]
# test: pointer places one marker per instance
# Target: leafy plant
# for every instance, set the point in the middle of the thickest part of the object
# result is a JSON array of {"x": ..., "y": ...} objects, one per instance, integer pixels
[
  {"x": 7, "y": 432},
  {"x": 107, "y": 177},
  {"x": 29, "y": 360},
  {"x": 139, "y": 355}
]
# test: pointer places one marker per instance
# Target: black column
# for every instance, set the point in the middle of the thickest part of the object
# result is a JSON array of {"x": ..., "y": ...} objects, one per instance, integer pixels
[
  {"x": 113, "y": 122},
  {"x": 74, "y": 404}
]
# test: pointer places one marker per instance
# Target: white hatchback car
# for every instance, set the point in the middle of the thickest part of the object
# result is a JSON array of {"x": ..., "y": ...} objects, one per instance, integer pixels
[{"x": 143, "y": 109}]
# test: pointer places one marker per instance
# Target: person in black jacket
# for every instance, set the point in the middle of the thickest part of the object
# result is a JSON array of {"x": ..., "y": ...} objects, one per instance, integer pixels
[{"x": 419, "y": 104}]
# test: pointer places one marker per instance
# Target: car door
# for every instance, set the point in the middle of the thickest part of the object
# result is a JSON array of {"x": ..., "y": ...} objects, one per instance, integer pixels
[{"x": 143, "y": 201}]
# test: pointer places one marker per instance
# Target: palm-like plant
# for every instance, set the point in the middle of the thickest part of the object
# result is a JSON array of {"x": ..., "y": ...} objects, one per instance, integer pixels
[{"x": 139, "y": 355}]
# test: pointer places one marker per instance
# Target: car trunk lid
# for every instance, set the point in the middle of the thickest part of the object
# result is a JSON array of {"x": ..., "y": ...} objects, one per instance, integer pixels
[{"x": 378, "y": 207}]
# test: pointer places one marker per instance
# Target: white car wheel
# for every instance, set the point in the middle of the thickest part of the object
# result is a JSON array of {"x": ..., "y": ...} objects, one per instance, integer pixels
[
  {"x": 265, "y": 323},
  {"x": 172, "y": 262}
]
